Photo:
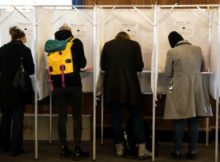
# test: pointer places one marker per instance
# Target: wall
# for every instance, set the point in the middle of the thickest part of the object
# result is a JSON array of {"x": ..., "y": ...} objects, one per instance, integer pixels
[{"x": 144, "y": 2}]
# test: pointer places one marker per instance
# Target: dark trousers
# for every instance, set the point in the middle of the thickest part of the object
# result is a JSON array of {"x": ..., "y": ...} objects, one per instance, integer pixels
[
  {"x": 178, "y": 125},
  {"x": 137, "y": 121},
  {"x": 15, "y": 116},
  {"x": 69, "y": 96}
]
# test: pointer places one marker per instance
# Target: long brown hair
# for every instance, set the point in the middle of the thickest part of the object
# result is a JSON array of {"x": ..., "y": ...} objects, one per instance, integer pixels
[
  {"x": 16, "y": 33},
  {"x": 122, "y": 35}
]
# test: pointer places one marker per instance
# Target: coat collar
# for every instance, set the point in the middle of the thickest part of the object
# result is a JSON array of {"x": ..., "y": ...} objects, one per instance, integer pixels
[{"x": 182, "y": 42}]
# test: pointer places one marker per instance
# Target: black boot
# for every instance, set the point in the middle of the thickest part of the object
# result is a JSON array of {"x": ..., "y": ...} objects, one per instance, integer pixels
[
  {"x": 65, "y": 152},
  {"x": 78, "y": 154},
  {"x": 17, "y": 152},
  {"x": 191, "y": 156},
  {"x": 176, "y": 155}
]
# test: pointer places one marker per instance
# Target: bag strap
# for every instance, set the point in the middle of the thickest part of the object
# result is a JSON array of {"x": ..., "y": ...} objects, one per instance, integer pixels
[
  {"x": 21, "y": 59},
  {"x": 71, "y": 39}
]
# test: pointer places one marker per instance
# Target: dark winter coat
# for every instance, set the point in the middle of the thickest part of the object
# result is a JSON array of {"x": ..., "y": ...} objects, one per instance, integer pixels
[
  {"x": 121, "y": 60},
  {"x": 9, "y": 62},
  {"x": 79, "y": 61}
]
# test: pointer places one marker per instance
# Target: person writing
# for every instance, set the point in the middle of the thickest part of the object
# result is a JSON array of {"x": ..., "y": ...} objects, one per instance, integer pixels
[
  {"x": 121, "y": 60},
  {"x": 187, "y": 98},
  {"x": 12, "y": 101}
]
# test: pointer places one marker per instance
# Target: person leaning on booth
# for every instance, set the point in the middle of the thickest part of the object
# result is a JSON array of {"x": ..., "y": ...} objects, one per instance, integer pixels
[
  {"x": 187, "y": 97},
  {"x": 70, "y": 94},
  {"x": 121, "y": 60},
  {"x": 12, "y": 100}
]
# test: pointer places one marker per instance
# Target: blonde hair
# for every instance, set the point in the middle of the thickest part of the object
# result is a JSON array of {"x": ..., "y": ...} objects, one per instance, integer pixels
[
  {"x": 16, "y": 33},
  {"x": 122, "y": 35},
  {"x": 65, "y": 27}
]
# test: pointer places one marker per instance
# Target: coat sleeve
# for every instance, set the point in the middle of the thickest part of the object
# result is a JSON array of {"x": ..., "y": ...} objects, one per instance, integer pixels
[
  {"x": 202, "y": 62},
  {"x": 0, "y": 60},
  {"x": 202, "y": 65},
  {"x": 168, "y": 71},
  {"x": 138, "y": 59},
  {"x": 28, "y": 62},
  {"x": 81, "y": 59},
  {"x": 103, "y": 58}
]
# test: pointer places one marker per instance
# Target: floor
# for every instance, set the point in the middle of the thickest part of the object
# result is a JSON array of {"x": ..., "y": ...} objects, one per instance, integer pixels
[{"x": 105, "y": 153}]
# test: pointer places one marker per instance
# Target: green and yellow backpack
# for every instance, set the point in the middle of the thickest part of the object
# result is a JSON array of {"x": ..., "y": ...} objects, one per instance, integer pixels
[{"x": 60, "y": 60}]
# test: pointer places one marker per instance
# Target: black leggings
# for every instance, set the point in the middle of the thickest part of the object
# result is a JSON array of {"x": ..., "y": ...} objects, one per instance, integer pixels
[
  {"x": 137, "y": 121},
  {"x": 9, "y": 114},
  {"x": 69, "y": 96}
]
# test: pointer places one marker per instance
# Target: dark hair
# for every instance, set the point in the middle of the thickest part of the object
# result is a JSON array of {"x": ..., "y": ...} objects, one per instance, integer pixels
[
  {"x": 174, "y": 38},
  {"x": 16, "y": 33},
  {"x": 122, "y": 35}
]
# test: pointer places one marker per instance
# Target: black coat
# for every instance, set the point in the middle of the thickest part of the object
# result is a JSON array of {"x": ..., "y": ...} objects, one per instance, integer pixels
[
  {"x": 78, "y": 59},
  {"x": 9, "y": 62},
  {"x": 121, "y": 60}
]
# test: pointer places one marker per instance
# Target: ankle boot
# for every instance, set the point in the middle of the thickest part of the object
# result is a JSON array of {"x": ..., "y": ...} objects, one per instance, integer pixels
[
  {"x": 191, "y": 156},
  {"x": 119, "y": 149},
  {"x": 78, "y": 154},
  {"x": 65, "y": 152},
  {"x": 143, "y": 153}
]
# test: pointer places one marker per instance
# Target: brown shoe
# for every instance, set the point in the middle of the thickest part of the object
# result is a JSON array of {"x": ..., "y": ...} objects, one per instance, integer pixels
[{"x": 119, "y": 149}]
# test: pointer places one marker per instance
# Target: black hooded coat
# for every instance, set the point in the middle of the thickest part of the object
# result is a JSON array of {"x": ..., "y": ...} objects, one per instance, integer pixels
[{"x": 10, "y": 55}]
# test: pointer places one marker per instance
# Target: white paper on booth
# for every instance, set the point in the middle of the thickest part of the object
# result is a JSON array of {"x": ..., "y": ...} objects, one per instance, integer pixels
[
  {"x": 79, "y": 31},
  {"x": 28, "y": 30},
  {"x": 131, "y": 29},
  {"x": 184, "y": 28}
]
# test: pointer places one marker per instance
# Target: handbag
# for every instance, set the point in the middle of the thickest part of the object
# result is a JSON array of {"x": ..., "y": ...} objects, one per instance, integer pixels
[{"x": 22, "y": 83}]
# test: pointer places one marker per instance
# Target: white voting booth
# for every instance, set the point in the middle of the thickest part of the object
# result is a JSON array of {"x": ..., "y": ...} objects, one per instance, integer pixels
[
  {"x": 81, "y": 23},
  {"x": 25, "y": 18},
  {"x": 151, "y": 28},
  {"x": 94, "y": 25}
]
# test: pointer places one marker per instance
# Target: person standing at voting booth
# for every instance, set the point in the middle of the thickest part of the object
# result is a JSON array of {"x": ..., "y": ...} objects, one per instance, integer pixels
[
  {"x": 187, "y": 97},
  {"x": 121, "y": 60},
  {"x": 13, "y": 55},
  {"x": 67, "y": 85}
]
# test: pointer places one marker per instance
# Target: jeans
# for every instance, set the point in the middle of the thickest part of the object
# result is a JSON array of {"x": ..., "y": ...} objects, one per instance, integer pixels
[
  {"x": 137, "y": 120},
  {"x": 9, "y": 114},
  {"x": 178, "y": 125},
  {"x": 69, "y": 96}
]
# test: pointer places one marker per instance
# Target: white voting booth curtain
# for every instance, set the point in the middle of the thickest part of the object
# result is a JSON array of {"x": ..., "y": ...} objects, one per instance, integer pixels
[
  {"x": 138, "y": 23},
  {"x": 21, "y": 17},
  {"x": 215, "y": 59},
  {"x": 192, "y": 28},
  {"x": 44, "y": 25},
  {"x": 81, "y": 24},
  {"x": 135, "y": 25},
  {"x": 139, "y": 28},
  {"x": 17, "y": 17},
  {"x": 193, "y": 25},
  {"x": 189, "y": 22},
  {"x": 95, "y": 27}
]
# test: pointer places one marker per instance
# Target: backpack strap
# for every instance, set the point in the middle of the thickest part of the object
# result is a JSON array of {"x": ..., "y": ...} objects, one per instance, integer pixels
[
  {"x": 63, "y": 81},
  {"x": 71, "y": 39},
  {"x": 49, "y": 78}
]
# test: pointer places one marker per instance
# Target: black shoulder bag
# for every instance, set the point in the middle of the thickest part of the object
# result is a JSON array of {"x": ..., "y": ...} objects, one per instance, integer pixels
[{"x": 22, "y": 82}]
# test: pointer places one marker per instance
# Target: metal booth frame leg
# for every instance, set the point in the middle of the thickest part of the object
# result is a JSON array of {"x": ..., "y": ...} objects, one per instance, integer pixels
[
  {"x": 35, "y": 87},
  {"x": 50, "y": 119},
  {"x": 102, "y": 119},
  {"x": 94, "y": 82}
]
